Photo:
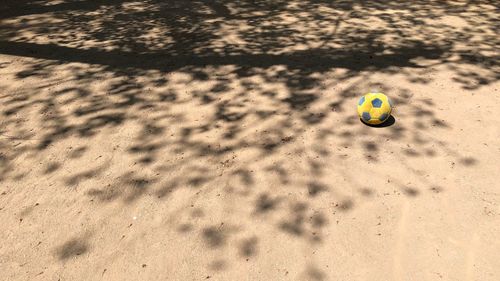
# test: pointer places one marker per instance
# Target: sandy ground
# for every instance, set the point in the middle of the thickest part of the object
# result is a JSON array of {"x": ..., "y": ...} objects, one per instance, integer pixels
[{"x": 195, "y": 140}]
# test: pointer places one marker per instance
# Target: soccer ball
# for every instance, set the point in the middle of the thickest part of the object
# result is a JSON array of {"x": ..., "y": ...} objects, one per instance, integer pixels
[{"x": 374, "y": 108}]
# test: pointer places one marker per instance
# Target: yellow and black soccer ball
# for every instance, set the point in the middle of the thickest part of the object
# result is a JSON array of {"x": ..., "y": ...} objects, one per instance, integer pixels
[{"x": 374, "y": 108}]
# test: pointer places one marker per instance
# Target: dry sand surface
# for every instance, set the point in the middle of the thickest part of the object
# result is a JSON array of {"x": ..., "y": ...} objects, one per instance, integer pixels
[{"x": 195, "y": 140}]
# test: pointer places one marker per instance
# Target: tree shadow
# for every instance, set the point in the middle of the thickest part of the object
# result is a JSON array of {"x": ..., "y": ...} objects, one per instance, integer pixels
[{"x": 73, "y": 248}]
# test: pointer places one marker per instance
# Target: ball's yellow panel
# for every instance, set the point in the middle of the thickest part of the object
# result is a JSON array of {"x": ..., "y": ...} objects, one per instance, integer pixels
[
  {"x": 374, "y": 122},
  {"x": 386, "y": 105},
  {"x": 376, "y": 112},
  {"x": 386, "y": 108},
  {"x": 365, "y": 107}
]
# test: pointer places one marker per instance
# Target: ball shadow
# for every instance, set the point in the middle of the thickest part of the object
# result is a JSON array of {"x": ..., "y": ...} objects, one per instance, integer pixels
[{"x": 389, "y": 122}]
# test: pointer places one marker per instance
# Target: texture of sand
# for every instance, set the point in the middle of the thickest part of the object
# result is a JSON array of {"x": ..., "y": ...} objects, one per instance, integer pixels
[{"x": 195, "y": 140}]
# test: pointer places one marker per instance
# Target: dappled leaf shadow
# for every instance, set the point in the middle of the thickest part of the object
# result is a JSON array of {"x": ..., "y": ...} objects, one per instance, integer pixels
[{"x": 73, "y": 248}]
